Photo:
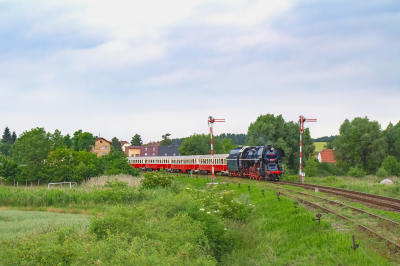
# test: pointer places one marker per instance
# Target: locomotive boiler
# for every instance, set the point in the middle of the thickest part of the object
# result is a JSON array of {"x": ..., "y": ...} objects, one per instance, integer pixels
[{"x": 256, "y": 162}]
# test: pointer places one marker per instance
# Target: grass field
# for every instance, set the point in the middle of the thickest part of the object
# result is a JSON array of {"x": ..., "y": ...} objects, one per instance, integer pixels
[
  {"x": 186, "y": 224},
  {"x": 20, "y": 223},
  {"x": 319, "y": 146}
]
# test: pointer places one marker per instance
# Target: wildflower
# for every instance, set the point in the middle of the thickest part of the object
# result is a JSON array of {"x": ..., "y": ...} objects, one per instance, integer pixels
[
  {"x": 216, "y": 211},
  {"x": 202, "y": 209},
  {"x": 225, "y": 229},
  {"x": 187, "y": 188},
  {"x": 208, "y": 212}
]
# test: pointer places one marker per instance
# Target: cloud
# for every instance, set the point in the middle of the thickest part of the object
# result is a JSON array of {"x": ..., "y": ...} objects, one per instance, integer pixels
[{"x": 151, "y": 67}]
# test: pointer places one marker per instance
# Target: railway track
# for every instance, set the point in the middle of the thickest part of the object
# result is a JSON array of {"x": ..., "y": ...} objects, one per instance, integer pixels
[
  {"x": 381, "y": 201},
  {"x": 361, "y": 226}
]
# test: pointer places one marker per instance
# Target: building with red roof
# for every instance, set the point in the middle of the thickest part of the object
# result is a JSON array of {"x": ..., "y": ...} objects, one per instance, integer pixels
[{"x": 326, "y": 155}]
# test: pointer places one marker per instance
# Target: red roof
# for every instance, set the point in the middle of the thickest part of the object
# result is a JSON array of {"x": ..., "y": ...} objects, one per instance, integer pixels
[
  {"x": 123, "y": 142},
  {"x": 326, "y": 155}
]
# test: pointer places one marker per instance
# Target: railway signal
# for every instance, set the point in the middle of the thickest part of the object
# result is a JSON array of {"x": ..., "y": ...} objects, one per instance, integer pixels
[
  {"x": 211, "y": 121},
  {"x": 302, "y": 120}
]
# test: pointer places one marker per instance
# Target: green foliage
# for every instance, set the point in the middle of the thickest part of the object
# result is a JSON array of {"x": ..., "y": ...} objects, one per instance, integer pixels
[
  {"x": 237, "y": 139},
  {"x": 32, "y": 147},
  {"x": 156, "y": 179},
  {"x": 83, "y": 141},
  {"x": 115, "y": 183},
  {"x": 357, "y": 172},
  {"x": 6, "y": 138},
  {"x": 391, "y": 165},
  {"x": 116, "y": 144},
  {"x": 199, "y": 144},
  {"x": 8, "y": 168},
  {"x": 268, "y": 129},
  {"x": 311, "y": 168},
  {"x": 382, "y": 172},
  {"x": 68, "y": 141},
  {"x": 361, "y": 142},
  {"x": 165, "y": 140},
  {"x": 5, "y": 149},
  {"x": 136, "y": 140},
  {"x": 115, "y": 162},
  {"x": 392, "y": 135},
  {"x": 228, "y": 145}
]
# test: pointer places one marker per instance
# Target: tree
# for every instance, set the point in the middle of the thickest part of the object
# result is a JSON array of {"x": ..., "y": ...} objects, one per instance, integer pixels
[
  {"x": 136, "y": 140},
  {"x": 68, "y": 141},
  {"x": 13, "y": 137},
  {"x": 228, "y": 145},
  {"x": 57, "y": 139},
  {"x": 116, "y": 144},
  {"x": 32, "y": 147},
  {"x": 31, "y": 150},
  {"x": 271, "y": 130},
  {"x": 82, "y": 141},
  {"x": 165, "y": 140},
  {"x": 361, "y": 144},
  {"x": 391, "y": 165},
  {"x": 8, "y": 168},
  {"x": 199, "y": 144},
  {"x": 392, "y": 135},
  {"x": 6, "y": 138}
]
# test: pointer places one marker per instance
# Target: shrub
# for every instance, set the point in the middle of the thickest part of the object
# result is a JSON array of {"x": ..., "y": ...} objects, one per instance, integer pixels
[
  {"x": 115, "y": 183},
  {"x": 356, "y": 172},
  {"x": 156, "y": 179},
  {"x": 382, "y": 172},
  {"x": 391, "y": 165},
  {"x": 311, "y": 168}
]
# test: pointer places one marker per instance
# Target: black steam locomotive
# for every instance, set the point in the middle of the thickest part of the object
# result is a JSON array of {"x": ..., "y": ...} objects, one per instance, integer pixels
[{"x": 256, "y": 162}]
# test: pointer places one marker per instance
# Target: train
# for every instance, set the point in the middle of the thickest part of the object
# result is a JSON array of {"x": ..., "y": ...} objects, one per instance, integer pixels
[{"x": 253, "y": 162}]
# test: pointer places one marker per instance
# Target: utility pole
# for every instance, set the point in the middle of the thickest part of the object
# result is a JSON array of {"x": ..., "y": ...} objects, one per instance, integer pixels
[
  {"x": 301, "y": 121},
  {"x": 211, "y": 121}
]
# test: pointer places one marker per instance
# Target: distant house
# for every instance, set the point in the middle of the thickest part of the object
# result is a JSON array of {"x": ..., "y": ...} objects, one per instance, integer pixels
[
  {"x": 326, "y": 155},
  {"x": 132, "y": 151},
  {"x": 168, "y": 150},
  {"x": 124, "y": 144},
  {"x": 101, "y": 147}
]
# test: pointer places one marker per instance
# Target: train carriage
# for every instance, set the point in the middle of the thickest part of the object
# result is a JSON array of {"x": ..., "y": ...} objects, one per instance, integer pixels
[{"x": 254, "y": 162}]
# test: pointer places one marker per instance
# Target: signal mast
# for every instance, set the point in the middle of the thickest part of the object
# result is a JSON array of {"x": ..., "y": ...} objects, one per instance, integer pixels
[
  {"x": 211, "y": 121},
  {"x": 301, "y": 121}
]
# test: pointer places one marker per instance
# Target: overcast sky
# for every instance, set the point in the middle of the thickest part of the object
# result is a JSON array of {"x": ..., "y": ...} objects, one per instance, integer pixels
[{"x": 150, "y": 67}]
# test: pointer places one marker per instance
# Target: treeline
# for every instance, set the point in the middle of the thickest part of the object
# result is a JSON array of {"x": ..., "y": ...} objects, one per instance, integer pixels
[
  {"x": 324, "y": 139},
  {"x": 52, "y": 157},
  {"x": 200, "y": 144},
  {"x": 362, "y": 148},
  {"x": 237, "y": 139}
]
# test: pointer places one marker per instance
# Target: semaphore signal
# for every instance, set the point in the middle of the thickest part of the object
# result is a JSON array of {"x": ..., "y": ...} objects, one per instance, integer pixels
[
  {"x": 211, "y": 121},
  {"x": 302, "y": 120}
]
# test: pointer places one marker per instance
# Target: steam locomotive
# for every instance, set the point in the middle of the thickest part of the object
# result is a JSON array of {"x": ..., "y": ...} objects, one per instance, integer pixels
[{"x": 256, "y": 162}]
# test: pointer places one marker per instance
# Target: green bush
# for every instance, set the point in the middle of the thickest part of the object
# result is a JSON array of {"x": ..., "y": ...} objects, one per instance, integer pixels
[
  {"x": 391, "y": 166},
  {"x": 356, "y": 172},
  {"x": 156, "y": 179},
  {"x": 311, "y": 168},
  {"x": 382, "y": 172},
  {"x": 115, "y": 183}
]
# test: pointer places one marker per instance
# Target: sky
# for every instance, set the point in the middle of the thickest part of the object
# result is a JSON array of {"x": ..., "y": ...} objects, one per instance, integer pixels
[{"x": 120, "y": 68}]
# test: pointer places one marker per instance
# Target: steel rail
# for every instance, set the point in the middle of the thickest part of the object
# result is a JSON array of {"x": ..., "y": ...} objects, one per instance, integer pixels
[
  {"x": 326, "y": 210},
  {"x": 395, "y": 224},
  {"x": 360, "y": 196}
]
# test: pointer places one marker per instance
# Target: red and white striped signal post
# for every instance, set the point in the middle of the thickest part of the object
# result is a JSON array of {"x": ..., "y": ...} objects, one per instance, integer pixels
[
  {"x": 302, "y": 120},
  {"x": 211, "y": 121}
]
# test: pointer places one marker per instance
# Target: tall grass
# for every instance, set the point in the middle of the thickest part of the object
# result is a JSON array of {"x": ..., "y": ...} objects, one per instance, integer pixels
[
  {"x": 189, "y": 224},
  {"x": 19, "y": 223}
]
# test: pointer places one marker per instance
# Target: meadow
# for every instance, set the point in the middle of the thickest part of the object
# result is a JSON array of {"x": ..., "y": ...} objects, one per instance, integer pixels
[
  {"x": 182, "y": 224},
  {"x": 319, "y": 146}
]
